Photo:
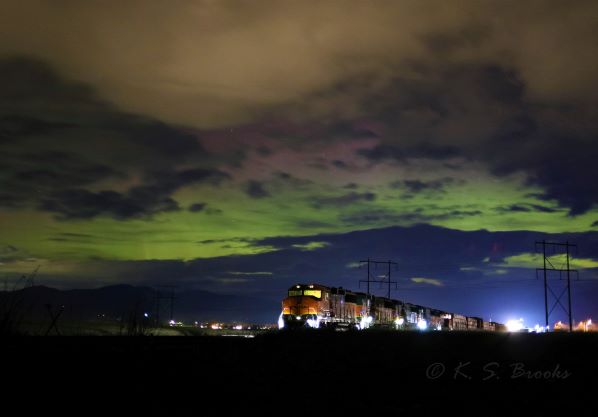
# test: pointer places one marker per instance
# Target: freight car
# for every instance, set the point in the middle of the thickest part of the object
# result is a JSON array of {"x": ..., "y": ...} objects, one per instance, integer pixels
[{"x": 316, "y": 306}]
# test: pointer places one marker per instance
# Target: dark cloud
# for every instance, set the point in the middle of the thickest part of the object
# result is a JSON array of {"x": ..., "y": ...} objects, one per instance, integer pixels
[
  {"x": 255, "y": 189},
  {"x": 228, "y": 240},
  {"x": 285, "y": 181},
  {"x": 319, "y": 163},
  {"x": 526, "y": 208},
  {"x": 565, "y": 178},
  {"x": 28, "y": 175},
  {"x": 342, "y": 200},
  {"x": 313, "y": 224},
  {"x": 514, "y": 208},
  {"x": 172, "y": 180},
  {"x": 40, "y": 106},
  {"x": 375, "y": 42},
  {"x": 65, "y": 171},
  {"x": 481, "y": 113},
  {"x": 213, "y": 211},
  {"x": 59, "y": 138},
  {"x": 77, "y": 235},
  {"x": 340, "y": 164},
  {"x": 373, "y": 217},
  {"x": 283, "y": 175},
  {"x": 424, "y": 80},
  {"x": 138, "y": 202},
  {"x": 12, "y": 126},
  {"x": 82, "y": 204},
  {"x": 264, "y": 150},
  {"x": 197, "y": 207},
  {"x": 73, "y": 237},
  {"x": 403, "y": 154},
  {"x": 413, "y": 187}
]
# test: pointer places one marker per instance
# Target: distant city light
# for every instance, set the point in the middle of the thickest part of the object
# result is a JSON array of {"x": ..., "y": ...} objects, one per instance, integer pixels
[
  {"x": 422, "y": 325},
  {"x": 585, "y": 326}
]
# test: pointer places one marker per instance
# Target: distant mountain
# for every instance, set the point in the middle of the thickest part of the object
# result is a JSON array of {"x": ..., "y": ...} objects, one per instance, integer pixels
[{"x": 123, "y": 300}]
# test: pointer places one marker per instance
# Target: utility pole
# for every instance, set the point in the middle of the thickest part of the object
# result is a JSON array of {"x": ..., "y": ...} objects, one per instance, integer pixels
[
  {"x": 171, "y": 302},
  {"x": 389, "y": 264},
  {"x": 368, "y": 280},
  {"x": 556, "y": 246},
  {"x": 545, "y": 283},
  {"x": 569, "y": 287}
]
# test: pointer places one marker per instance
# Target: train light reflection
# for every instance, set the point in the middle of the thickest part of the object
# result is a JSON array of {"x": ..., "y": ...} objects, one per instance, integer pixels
[{"x": 280, "y": 322}]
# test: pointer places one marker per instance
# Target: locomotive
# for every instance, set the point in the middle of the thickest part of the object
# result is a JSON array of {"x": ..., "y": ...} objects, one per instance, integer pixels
[{"x": 317, "y": 306}]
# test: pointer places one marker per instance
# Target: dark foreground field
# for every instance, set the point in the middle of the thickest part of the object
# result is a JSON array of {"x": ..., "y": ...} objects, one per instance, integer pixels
[{"x": 311, "y": 373}]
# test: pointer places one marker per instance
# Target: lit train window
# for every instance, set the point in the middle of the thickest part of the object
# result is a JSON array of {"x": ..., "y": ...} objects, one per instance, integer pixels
[
  {"x": 313, "y": 293},
  {"x": 295, "y": 293}
]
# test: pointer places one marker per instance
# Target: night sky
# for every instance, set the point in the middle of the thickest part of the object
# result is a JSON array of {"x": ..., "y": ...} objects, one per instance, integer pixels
[{"x": 241, "y": 147}]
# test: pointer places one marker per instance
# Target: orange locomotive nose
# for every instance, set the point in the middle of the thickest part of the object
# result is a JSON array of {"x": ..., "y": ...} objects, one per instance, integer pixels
[{"x": 299, "y": 306}]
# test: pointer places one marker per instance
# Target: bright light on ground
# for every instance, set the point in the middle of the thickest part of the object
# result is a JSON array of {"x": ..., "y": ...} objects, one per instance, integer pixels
[
  {"x": 314, "y": 323},
  {"x": 365, "y": 322},
  {"x": 280, "y": 322},
  {"x": 514, "y": 325}
]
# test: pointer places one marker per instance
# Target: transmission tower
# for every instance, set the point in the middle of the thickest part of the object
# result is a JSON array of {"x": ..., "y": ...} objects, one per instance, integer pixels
[
  {"x": 557, "y": 249},
  {"x": 164, "y": 298},
  {"x": 387, "y": 280}
]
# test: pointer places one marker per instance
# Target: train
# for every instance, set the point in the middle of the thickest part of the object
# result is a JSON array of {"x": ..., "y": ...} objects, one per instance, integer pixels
[{"x": 319, "y": 306}]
